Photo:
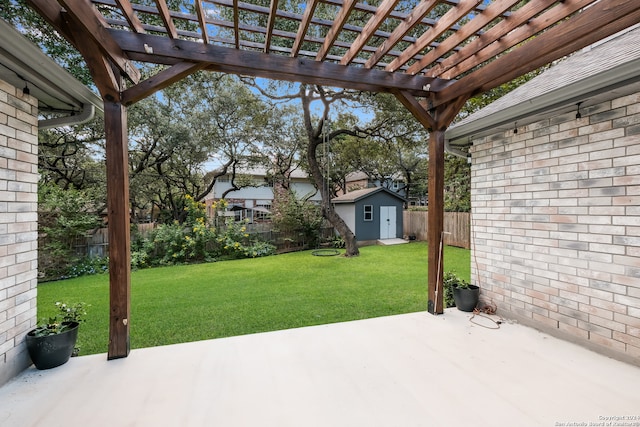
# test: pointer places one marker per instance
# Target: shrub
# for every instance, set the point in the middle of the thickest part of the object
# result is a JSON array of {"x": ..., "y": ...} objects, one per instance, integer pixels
[
  {"x": 196, "y": 240},
  {"x": 289, "y": 212},
  {"x": 64, "y": 215},
  {"x": 87, "y": 266}
]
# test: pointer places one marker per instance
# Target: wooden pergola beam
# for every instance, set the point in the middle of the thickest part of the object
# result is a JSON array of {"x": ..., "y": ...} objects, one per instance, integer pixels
[
  {"x": 160, "y": 81},
  {"x": 557, "y": 42},
  {"x": 339, "y": 22},
  {"x": 236, "y": 24},
  {"x": 517, "y": 18},
  {"x": 271, "y": 22},
  {"x": 130, "y": 15},
  {"x": 165, "y": 14},
  {"x": 416, "y": 108},
  {"x": 445, "y": 23},
  {"x": 93, "y": 26},
  {"x": 472, "y": 27},
  {"x": 382, "y": 12},
  {"x": 511, "y": 37},
  {"x": 279, "y": 67},
  {"x": 304, "y": 26},
  {"x": 413, "y": 19},
  {"x": 202, "y": 21}
]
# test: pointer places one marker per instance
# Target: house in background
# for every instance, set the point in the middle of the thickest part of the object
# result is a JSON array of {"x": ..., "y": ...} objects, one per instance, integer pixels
[
  {"x": 30, "y": 84},
  {"x": 360, "y": 180},
  {"x": 555, "y": 192},
  {"x": 372, "y": 214},
  {"x": 254, "y": 202}
]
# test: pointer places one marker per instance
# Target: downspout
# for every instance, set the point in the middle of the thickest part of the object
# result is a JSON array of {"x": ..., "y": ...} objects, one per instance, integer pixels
[
  {"x": 455, "y": 151},
  {"x": 86, "y": 114}
]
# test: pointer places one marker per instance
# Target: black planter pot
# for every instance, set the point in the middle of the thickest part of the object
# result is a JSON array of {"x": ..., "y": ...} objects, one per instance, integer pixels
[
  {"x": 466, "y": 299},
  {"x": 52, "y": 350}
]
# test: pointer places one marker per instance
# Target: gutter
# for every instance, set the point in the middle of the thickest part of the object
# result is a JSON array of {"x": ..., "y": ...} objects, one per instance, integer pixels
[
  {"x": 603, "y": 85},
  {"x": 86, "y": 114},
  {"x": 23, "y": 64}
]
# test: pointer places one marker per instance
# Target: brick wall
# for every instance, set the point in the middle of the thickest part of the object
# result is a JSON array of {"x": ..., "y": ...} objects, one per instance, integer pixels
[
  {"x": 18, "y": 226},
  {"x": 556, "y": 224}
]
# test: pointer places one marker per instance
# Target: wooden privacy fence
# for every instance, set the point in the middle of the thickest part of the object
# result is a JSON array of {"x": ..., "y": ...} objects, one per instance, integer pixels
[
  {"x": 414, "y": 224},
  {"x": 458, "y": 224},
  {"x": 97, "y": 243}
]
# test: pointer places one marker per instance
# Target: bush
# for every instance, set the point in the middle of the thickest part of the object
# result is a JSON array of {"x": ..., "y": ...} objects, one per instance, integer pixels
[
  {"x": 87, "y": 266},
  {"x": 64, "y": 216},
  {"x": 196, "y": 240},
  {"x": 289, "y": 212}
]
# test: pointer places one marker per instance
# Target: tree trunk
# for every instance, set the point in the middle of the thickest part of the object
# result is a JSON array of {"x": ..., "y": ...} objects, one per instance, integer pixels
[
  {"x": 351, "y": 245},
  {"x": 315, "y": 135}
]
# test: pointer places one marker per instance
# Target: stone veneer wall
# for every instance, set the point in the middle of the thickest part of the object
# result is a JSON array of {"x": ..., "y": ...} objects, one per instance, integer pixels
[
  {"x": 556, "y": 224},
  {"x": 18, "y": 226}
]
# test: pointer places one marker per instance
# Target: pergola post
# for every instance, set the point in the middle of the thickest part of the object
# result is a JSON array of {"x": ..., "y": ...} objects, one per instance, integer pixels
[
  {"x": 115, "y": 119},
  {"x": 436, "y": 120},
  {"x": 435, "y": 220}
]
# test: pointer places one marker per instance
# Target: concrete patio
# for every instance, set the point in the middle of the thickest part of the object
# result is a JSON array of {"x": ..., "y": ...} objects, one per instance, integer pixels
[{"x": 406, "y": 370}]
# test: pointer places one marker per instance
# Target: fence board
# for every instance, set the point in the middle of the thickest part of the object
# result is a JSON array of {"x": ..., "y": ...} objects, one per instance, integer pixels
[{"x": 457, "y": 224}]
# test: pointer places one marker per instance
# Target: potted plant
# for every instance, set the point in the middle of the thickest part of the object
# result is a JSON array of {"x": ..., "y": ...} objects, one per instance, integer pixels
[
  {"x": 459, "y": 292},
  {"x": 53, "y": 342}
]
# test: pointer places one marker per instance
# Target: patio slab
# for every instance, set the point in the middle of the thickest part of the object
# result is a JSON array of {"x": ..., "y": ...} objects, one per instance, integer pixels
[{"x": 407, "y": 370}]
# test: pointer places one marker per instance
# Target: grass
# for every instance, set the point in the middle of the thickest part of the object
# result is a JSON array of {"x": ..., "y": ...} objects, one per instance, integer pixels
[{"x": 196, "y": 302}]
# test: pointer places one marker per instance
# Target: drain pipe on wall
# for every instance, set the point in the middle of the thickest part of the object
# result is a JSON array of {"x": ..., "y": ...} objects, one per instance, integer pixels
[
  {"x": 87, "y": 113},
  {"x": 455, "y": 151}
]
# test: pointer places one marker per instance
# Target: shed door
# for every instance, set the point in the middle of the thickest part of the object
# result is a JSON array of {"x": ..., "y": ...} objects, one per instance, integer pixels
[{"x": 388, "y": 222}]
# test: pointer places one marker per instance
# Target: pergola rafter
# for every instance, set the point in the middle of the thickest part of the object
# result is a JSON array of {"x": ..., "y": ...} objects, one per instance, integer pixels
[{"x": 433, "y": 55}]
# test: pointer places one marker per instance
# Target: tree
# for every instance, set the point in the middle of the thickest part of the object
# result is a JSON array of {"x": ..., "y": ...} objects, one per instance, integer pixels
[
  {"x": 289, "y": 212},
  {"x": 70, "y": 156},
  {"x": 308, "y": 94},
  {"x": 64, "y": 215},
  {"x": 174, "y": 136},
  {"x": 281, "y": 144},
  {"x": 398, "y": 146}
]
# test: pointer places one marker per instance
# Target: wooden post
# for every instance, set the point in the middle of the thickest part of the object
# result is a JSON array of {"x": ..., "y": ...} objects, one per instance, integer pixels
[
  {"x": 115, "y": 119},
  {"x": 435, "y": 219}
]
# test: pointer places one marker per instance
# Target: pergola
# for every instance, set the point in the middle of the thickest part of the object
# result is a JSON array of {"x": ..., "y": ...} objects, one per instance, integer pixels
[{"x": 432, "y": 55}]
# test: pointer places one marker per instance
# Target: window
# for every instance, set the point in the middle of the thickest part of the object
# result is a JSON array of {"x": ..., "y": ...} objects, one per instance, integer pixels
[{"x": 368, "y": 212}]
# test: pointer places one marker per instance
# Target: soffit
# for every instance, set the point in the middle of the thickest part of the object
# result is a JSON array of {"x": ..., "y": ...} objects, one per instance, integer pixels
[{"x": 22, "y": 64}]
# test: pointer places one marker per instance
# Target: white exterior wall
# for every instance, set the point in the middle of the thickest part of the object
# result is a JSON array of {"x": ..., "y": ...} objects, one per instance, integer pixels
[
  {"x": 556, "y": 225},
  {"x": 262, "y": 193},
  {"x": 18, "y": 226}
]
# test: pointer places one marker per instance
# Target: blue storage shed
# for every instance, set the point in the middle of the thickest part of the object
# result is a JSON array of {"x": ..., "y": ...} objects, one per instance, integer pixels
[{"x": 372, "y": 213}]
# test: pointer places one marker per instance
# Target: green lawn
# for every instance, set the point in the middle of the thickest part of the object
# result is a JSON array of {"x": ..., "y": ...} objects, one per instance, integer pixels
[{"x": 196, "y": 302}]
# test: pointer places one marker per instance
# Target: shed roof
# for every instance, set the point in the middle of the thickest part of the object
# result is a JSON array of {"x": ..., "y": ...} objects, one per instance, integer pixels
[
  {"x": 354, "y": 196},
  {"x": 601, "y": 72}
]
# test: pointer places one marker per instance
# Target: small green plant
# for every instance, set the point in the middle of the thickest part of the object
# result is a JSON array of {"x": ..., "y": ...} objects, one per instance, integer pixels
[
  {"x": 338, "y": 242},
  {"x": 62, "y": 321},
  {"x": 451, "y": 280}
]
